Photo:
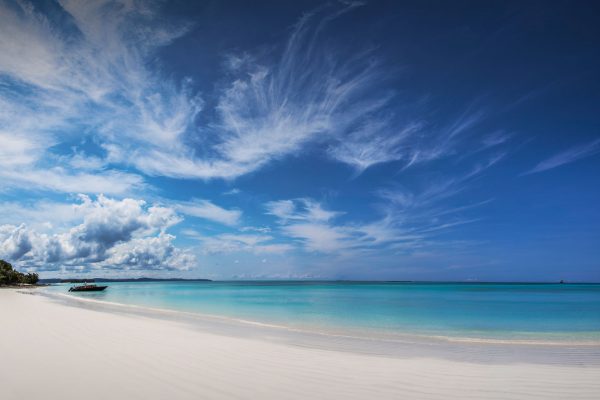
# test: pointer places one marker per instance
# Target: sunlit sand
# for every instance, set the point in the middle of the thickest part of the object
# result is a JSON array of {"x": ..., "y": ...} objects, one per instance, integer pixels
[{"x": 54, "y": 351}]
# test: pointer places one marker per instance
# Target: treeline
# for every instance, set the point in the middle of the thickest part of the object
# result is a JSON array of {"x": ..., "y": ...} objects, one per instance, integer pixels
[{"x": 9, "y": 276}]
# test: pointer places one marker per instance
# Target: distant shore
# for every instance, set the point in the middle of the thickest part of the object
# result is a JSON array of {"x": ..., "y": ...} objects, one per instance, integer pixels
[
  {"x": 53, "y": 351},
  {"x": 81, "y": 280},
  {"x": 300, "y": 281}
]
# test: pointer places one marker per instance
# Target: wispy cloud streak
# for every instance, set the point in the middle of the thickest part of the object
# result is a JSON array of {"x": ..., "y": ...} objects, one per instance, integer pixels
[
  {"x": 408, "y": 221},
  {"x": 98, "y": 76},
  {"x": 316, "y": 228},
  {"x": 311, "y": 93},
  {"x": 207, "y": 210},
  {"x": 568, "y": 156},
  {"x": 87, "y": 72}
]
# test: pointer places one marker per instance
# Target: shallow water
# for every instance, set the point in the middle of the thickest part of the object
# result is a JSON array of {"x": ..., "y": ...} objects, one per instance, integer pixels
[{"x": 502, "y": 311}]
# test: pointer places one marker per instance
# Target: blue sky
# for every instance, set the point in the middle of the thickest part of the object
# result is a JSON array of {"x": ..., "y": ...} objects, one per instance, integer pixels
[{"x": 339, "y": 140}]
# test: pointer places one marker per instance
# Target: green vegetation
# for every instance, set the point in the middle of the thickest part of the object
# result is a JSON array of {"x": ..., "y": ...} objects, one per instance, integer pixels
[{"x": 8, "y": 276}]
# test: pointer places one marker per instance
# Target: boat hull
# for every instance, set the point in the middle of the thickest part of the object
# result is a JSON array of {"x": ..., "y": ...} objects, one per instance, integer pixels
[{"x": 87, "y": 289}]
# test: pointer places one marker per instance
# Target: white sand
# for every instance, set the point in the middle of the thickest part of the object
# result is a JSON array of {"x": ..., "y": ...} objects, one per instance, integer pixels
[{"x": 52, "y": 351}]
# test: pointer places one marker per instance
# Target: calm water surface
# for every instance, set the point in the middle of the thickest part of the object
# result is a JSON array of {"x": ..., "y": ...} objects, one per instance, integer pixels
[{"x": 568, "y": 311}]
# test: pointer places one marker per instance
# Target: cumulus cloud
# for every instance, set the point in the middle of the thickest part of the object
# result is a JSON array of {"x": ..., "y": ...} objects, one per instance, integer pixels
[
  {"x": 14, "y": 241},
  {"x": 86, "y": 76},
  {"x": 150, "y": 253},
  {"x": 112, "y": 233}
]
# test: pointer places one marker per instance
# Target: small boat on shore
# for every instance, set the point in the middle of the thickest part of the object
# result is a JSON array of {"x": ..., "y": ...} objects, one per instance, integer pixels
[{"x": 87, "y": 288}]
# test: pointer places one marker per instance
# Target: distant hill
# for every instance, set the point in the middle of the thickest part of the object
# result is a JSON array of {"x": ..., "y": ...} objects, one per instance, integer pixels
[{"x": 56, "y": 280}]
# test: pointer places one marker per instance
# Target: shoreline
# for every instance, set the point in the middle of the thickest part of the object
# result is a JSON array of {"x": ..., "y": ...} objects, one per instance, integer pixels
[
  {"x": 553, "y": 315},
  {"x": 54, "y": 350},
  {"x": 548, "y": 339},
  {"x": 475, "y": 350},
  {"x": 25, "y": 286}
]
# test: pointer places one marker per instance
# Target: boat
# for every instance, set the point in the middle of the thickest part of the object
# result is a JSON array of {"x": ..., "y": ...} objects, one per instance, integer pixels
[{"x": 87, "y": 288}]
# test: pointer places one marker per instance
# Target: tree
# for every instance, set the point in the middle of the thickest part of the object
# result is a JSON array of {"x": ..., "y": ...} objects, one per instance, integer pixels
[
  {"x": 9, "y": 276},
  {"x": 5, "y": 269},
  {"x": 32, "y": 278}
]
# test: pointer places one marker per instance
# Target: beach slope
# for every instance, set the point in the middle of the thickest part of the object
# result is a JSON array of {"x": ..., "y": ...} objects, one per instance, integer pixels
[{"x": 53, "y": 351}]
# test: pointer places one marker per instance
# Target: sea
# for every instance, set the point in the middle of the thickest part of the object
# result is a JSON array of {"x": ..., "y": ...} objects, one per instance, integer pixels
[{"x": 507, "y": 311}]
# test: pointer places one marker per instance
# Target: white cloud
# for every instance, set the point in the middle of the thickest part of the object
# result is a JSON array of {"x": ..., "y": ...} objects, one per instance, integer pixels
[
  {"x": 14, "y": 241},
  {"x": 24, "y": 142},
  {"x": 112, "y": 233},
  {"x": 374, "y": 143},
  {"x": 92, "y": 75},
  {"x": 319, "y": 237},
  {"x": 17, "y": 150},
  {"x": 409, "y": 222},
  {"x": 466, "y": 121},
  {"x": 250, "y": 240},
  {"x": 261, "y": 229},
  {"x": 300, "y": 209},
  {"x": 282, "y": 209},
  {"x": 307, "y": 221},
  {"x": 568, "y": 156},
  {"x": 42, "y": 215},
  {"x": 310, "y": 94},
  {"x": 349, "y": 238},
  {"x": 495, "y": 139},
  {"x": 232, "y": 192},
  {"x": 99, "y": 75},
  {"x": 210, "y": 211},
  {"x": 150, "y": 253},
  {"x": 83, "y": 162},
  {"x": 270, "y": 109},
  {"x": 62, "y": 180},
  {"x": 234, "y": 243}
]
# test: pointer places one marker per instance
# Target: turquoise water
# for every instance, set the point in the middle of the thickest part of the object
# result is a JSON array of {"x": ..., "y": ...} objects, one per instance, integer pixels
[{"x": 528, "y": 311}]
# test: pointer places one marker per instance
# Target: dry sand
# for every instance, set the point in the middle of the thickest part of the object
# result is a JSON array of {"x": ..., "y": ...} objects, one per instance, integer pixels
[{"x": 52, "y": 351}]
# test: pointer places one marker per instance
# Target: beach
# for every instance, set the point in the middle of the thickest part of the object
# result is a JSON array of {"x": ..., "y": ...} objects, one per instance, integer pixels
[{"x": 56, "y": 351}]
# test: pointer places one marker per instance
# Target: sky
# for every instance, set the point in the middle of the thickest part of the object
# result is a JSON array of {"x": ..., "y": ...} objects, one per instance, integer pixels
[{"x": 383, "y": 140}]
